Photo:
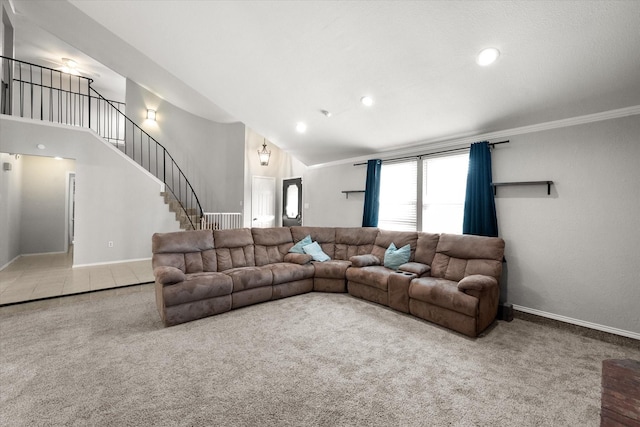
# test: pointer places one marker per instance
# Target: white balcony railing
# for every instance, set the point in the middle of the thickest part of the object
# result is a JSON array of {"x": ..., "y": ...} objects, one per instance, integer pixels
[{"x": 221, "y": 221}]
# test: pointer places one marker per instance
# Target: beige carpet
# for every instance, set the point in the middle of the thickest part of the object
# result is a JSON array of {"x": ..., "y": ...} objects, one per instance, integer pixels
[{"x": 311, "y": 360}]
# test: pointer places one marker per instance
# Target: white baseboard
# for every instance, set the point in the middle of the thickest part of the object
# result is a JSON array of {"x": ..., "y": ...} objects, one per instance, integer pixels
[
  {"x": 603, "y": 328},
  {"x": 7, "y": 264},
  {"x": 110, "y": 262},
  {"x": 45, "y": 253}
]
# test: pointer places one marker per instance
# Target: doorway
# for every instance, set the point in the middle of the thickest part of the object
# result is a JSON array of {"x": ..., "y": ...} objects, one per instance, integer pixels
[
  {"x": 263, "y": 201},
  {"x": 291, "y": 202},
  {"x": 70, "y": 209}
]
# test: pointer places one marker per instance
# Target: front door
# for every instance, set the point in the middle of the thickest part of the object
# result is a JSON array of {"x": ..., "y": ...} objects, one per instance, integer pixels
[
  {"x": 292, "y": 202},
  {"x": 263, "y": 201}
]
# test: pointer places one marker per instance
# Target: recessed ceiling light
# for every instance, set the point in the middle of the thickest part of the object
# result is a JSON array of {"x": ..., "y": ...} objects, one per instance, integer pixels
[
  {"x": 70, "y": 63},
  {"x": 41, "y": 146},
  {"x": 301, "y": 127},
  {"x": 367, "y": 100},
  {"x": 488, "y": 56}
]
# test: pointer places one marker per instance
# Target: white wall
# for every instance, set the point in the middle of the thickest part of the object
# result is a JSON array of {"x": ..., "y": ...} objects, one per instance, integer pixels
[
  {"x": 572, "y": 255},
  {"x": 43, "y": 199},
  {"x": 10, "y": 205},
  {"x": 115, "y": 199},
  {"x": 281, "y": 166},
  {"x": 209, "y": 153}
]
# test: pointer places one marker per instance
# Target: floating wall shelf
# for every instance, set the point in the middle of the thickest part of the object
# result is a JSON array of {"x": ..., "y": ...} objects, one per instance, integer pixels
[
  {"x": 352, "y": 191},
  {"x": 505, "y": 184}
]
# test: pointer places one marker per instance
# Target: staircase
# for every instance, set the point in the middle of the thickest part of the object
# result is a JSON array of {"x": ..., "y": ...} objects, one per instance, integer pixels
[
  {"x": 41, "y": 93},
  {"x": 188, "y": 218}
]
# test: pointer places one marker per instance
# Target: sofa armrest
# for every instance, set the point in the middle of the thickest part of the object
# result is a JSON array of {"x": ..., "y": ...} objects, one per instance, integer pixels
[
  {"x": 477, "y": 282},
  {"x": 416, "y": 268},
  {"x": 296, "y": 258},
  {"x": 364, "y": 260},
  {"x": 166, "y": 275}
]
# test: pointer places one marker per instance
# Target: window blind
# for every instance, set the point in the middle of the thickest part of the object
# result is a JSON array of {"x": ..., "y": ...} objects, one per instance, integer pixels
[{"x": 398, "y": 196}]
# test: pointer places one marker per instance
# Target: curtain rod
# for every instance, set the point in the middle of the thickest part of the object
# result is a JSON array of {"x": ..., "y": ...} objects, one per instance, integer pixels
[{"x": 491, "y": 144}]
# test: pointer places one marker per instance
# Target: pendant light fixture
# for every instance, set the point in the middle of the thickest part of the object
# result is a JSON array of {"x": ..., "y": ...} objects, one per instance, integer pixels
[{"x": 264, "y": 154}]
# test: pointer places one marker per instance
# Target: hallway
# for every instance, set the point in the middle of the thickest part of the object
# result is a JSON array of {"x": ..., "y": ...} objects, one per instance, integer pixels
[{"x": 33, "y": 277}]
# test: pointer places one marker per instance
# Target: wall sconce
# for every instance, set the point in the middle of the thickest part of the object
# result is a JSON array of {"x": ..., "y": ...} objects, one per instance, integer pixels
[
  {"x": 264, "y": 154},
  {"x": 151, "y": 114}
]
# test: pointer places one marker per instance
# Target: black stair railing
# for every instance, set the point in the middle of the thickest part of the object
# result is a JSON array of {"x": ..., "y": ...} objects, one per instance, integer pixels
[
  {"x": 41, "y": 93},
  {"x": 114, "y": 126}
]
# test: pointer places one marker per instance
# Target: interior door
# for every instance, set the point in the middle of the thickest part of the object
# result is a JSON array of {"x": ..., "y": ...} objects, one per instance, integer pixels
[
  {"x": 292, "y": 202},
  {"x": 263, "y": 201}
]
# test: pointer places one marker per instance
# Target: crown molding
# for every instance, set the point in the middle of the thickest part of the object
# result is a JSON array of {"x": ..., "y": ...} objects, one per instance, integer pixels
[{"x": 463, "y": 140}]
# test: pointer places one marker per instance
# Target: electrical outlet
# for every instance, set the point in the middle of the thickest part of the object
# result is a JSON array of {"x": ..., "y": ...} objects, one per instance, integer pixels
[{"x": 110, "y": 243}]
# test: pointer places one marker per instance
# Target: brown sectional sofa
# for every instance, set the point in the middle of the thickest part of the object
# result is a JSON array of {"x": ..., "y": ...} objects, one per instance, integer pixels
[{"x": 451, "y": 280}]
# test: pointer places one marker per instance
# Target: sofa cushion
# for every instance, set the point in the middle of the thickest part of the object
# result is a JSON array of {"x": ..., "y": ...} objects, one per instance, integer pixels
[
  {"x": 196, "y": 287},
  {"x": 354, "y": 241},
  {"x": 394, "y": 257},
  {"x": 443, "y": 293},
  {"x": 297, "y": 248},
  {"x": 316, "y": 252},
  {"x": 234, "y": 248},
  {"x": 189, "y": 251},
  {"x": 376, "y": 276},
  {"x": 426, "y": 247},
  {"x": 325, "y": 236},
  {"x": 458, "y": 256},
  {"x": 250, "y": 277},
  {"x": 271, "y": 244},
  {"x": 286, "y": 272},
  {"x": 184, "y": 241},
  {"x": 333, "y": 269}
]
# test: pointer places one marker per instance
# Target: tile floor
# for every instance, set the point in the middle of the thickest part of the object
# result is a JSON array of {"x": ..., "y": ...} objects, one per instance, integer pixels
[{"x": 32, "y": 277}]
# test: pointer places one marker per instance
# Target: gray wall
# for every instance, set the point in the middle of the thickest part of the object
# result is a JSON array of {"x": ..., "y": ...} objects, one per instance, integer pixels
[
  {"x": 210, "y": 154},
  {"x": 327, "y": 205},
  {"x": 116, "y": 200},
  {"x": 10, "y": 205},
  {"x": 572, "y": 255},
  {"x": 43, "y": 198}
]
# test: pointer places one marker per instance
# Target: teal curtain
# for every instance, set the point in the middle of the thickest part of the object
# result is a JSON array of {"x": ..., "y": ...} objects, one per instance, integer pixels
[
  {"x": 372, "y": 194},
  {"x": 479, "y": 205}
]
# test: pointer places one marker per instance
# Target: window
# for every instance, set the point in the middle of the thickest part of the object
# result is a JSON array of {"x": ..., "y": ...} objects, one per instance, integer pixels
[
  {"x": 444, "y": 185},
  {"x": 398, "y": 196},
  {"x": 441, "y": 185}
]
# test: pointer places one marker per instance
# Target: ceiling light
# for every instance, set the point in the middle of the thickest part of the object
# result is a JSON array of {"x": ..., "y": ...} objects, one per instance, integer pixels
[
  {"x": 265, "y": 154},
  {"x": 488, "y": 56},
  {"x": 301, "y": 127},
  {"x": 41, "y": 146},
  {"x": 367, "y": 101},
  {"x": 70, "y": 63}
]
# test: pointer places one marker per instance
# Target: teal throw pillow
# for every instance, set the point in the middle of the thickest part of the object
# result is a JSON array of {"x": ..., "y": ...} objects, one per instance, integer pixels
[
  {"x": 394, "y": 258},
  {"x": 316, "y": 253},
  {"x": 297, "y": 248}
]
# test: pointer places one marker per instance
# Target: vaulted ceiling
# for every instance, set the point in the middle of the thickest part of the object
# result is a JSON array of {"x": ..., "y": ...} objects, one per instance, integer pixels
[{"x": 272, "y": 64}]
